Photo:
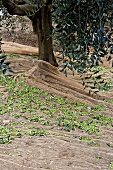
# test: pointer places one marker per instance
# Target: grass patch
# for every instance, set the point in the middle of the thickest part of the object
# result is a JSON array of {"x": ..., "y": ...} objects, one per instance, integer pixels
[
  {"x": 111, "y": 165},
  {"x": 14, "y": 55},
  {"x": 85, "y": 138},
  {"x": 38, "y": 132},
  {"x": 8, "y": 134},
  {"x": 102, "y": 74},
  {"x": 98, "y": 108},
  {"x": 32, "y": 107},
  {"x": 111, "y": 101},
  {"x": 102, "y": 118},
  {"x": 99, "y": 69}
]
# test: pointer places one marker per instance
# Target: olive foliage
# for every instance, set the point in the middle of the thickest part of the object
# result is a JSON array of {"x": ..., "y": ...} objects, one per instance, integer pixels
[{"x": 84, "y": 31}]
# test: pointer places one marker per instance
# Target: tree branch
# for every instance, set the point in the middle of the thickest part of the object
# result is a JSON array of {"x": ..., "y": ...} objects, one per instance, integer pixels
[{"x": 21, "y": 10}]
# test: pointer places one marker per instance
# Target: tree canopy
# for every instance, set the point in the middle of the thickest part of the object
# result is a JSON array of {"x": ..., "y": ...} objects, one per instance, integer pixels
[{"x": 84, "y": 30}]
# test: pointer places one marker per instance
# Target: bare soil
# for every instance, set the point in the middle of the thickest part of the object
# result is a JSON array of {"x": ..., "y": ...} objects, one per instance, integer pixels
[{"x": 54, "y": 152}]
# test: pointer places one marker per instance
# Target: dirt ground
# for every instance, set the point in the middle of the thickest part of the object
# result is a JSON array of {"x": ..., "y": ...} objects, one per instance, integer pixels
[{"x": 52, "y": 152}]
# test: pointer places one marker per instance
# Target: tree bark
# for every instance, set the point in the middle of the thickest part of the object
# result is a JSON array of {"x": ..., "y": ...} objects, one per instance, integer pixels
[{"x": 42, "y": 25}]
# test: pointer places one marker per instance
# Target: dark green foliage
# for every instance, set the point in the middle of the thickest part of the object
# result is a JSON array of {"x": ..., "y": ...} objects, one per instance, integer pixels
[
  {"x": 84, "y": 32},
  {"x": 4, "y": 66}
]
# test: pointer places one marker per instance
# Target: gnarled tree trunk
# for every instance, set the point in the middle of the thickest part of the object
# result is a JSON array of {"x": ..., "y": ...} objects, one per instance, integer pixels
[{"x": 42, "y": 24}]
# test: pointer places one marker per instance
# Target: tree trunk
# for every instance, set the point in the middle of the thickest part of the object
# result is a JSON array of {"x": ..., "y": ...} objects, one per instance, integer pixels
[{"x": 42, "y": 25}]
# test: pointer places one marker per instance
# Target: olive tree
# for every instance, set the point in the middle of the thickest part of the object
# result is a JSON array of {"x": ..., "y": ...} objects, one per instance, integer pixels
[{"x": 83, "y": 29}]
